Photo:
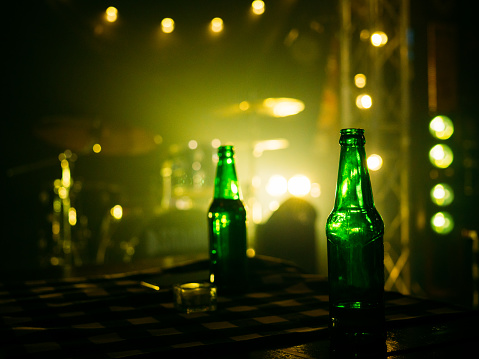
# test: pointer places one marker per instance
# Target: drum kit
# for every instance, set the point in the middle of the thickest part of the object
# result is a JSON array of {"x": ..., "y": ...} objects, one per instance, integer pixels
[{"x": 86, "y": 219}]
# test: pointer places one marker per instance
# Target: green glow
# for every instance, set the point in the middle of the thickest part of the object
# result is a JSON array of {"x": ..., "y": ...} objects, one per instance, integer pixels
[
  {"x": 441, "y": 156},
  {"x": 442, "y": 194},
  {"x": 441, "y": 127},
  {"x": 442, "y": 223}
]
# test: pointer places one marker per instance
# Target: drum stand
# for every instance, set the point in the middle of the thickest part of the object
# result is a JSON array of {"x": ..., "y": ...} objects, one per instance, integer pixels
[{"x": 64, "y": 217}]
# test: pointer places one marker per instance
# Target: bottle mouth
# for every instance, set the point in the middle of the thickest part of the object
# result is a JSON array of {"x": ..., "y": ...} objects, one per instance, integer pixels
[
  {"x": 352, "y": 131},
  {"x": 226, "y": 151},
  {"x": 352, "y": 137}
]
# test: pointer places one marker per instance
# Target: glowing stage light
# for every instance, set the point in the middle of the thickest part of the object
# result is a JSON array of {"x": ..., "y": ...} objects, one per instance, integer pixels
[
  {"x": 360, "y": 80},
  {"x": 379, "y": 39},
  {"x": 96, "y": 148},
  {"x": 364, "y": 101},
  {"x": 299, "y": 185},
  {"x": 257, "y": 7},
  {"x": 111, "y": 14},
  {"x": 192, "y": 145},
  {"x": 117, "y": 212},
  {"x": 282, "y": 107},
  {"x": 442, "y": 194},
  {"x": 277, "y": 185},
  {"x": 442, "y": 223},
  {"x": 167, "y": 25},
  {"x": 441, "y": 156},
  {"x": 216, "y": 25},
  {"x": 441, "y": 127},
  {"x": 315, "y": 190},
  {"x": 72, "y": 216},
  {"x": 375, "y": 162},
  {"x": 244, "y": 106}
]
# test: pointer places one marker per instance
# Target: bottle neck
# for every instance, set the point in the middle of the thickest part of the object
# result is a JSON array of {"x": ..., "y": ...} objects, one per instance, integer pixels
[
  {"x": 226, "y": 181},
  {"x": 353, "y": 189}
]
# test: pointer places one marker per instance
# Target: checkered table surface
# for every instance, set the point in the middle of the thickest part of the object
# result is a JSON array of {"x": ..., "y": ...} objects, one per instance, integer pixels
[{"x": 114, "y": 316}]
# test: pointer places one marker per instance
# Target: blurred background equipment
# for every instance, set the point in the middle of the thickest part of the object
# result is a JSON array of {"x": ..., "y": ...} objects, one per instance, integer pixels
[{"x": 290, "y": 233}]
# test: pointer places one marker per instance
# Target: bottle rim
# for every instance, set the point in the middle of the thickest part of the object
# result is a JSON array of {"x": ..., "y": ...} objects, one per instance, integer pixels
[
  {"x": 352, "y": 131},
  {"x": 226, "y": 151}
]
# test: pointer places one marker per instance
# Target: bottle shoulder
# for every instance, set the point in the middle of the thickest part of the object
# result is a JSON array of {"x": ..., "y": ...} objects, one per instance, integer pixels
[
  {"x": 358, "y": 224},
  {"x": 222, "y": 204}
]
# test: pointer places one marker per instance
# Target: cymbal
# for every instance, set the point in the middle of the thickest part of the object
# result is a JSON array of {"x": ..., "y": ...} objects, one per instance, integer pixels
[{"x": 80, "y": 135}]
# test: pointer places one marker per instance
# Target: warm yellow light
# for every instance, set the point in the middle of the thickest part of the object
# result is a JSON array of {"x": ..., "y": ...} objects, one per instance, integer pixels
[
  {"x": 379, "y": 39},
  {"x": 97, "y": 148},
  {"x": 62, "y": 193},
  {"x": 215, "y": 143},
  {"x": 167, "y": 25},
  {"x": 250, "y": 253},
  {"x": 244, "y": 106},
  {"x": 364, "y": 101},
  {"x": 257, "y": 210},
  {"x": 117, "y": 212},
  {"x": 375, "y": 162},
  {"x": 72, "y": 216},
  {"x": 277, "y": 185},
  {"x": 442, "y": 194},
  {"x": 216, "y": 24},
  {"x": 282, "y": 107},
  {"x": 364, "y": 34},
  {"x": 441, "y": 127},
  {"x": 360, "y": 80},
  {"x": 442, "y": 223},
  {"x": 299, "y": 185},
  {"x": 270, "y": 145},
  {"x": 257, "y": 7},
  {"x": 66, "y": 177},
  {"x": 441, "y": 156},
  {"x": 111, "y": 14},
  {"x": 315, "y": 190},
  {"x": 273, "y": 206},
  {"x": 192, "y": 145}
]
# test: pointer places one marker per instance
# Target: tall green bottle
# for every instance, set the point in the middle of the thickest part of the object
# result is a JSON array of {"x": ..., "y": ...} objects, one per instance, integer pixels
[
  {"x": 354, "y": 231},
  {"x": 227, "y": 227}
]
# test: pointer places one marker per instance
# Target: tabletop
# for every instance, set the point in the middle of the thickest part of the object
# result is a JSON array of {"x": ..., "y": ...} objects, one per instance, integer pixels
[{"x": 284, "y": 314}]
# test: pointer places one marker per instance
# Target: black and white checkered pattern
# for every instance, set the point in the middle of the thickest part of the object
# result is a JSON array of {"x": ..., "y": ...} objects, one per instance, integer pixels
[{"x": 114, "y": 316}]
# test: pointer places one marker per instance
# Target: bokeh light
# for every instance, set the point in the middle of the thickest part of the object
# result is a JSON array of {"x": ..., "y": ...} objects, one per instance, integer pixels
[
  {"x": 299, "y": 185},
  {"x": 442, "y": 194},
  {"x": 441, "y": 127},
  {"x": 442, "y": 223},
  {"x": 441, "y": 156},
  {"x": 375, "y": 162}
]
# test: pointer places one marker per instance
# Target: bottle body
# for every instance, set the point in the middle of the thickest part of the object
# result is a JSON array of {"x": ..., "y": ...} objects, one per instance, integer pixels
[
  {"x": 354, "y": 231},
  {"x": 227, "y": 233},
  {"x": 227, "y": 227}
]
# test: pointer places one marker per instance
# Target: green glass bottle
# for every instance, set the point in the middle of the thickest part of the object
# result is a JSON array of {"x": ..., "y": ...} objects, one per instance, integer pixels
[
  {"x": 354, "y": 231},
  {"x": 227, "y": 227}
]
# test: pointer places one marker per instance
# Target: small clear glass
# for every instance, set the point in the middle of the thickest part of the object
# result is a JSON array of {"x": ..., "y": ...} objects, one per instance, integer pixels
[{"x": 195, "y": 297}]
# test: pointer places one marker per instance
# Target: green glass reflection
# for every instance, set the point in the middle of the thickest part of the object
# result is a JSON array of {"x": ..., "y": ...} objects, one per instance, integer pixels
[{"x": 226, "y": 181}]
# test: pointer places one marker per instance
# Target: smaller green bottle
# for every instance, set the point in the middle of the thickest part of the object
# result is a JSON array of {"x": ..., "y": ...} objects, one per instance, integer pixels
[
  {"x": 354, "y": 231},
  {"x": 227, "y": 227}
]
